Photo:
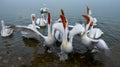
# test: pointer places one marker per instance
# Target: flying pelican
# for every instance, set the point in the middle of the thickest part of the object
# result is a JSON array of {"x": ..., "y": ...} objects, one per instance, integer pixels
[
  {"x": 6, "y": 30},
  {"x": 41, "y": 21}
]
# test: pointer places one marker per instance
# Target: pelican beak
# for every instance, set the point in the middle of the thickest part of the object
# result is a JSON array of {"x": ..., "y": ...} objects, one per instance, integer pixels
[
  {"x": 33, "y": 17},
  {"x": 49, "y": 18},
  {"x": 87, "y": 10},
  {"x": 86, "y": 18},
  {"x": 62, "y": 12},
  {"x": 63, "y": 20}
]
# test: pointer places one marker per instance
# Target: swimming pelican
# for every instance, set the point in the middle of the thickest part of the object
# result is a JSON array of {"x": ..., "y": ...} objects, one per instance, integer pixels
[
  {"x": 57, "y": 28},
  {"x": 6, "y": 30},
  {"x": 41, "y": 21},
  {"x": 44, "y": 10},
  {"x": 66, "y": 46},
  {"x": 33, "y": 32},
  {"x": 33, "y": 25},
  {"x": 91, "y": 38},
  {"x": 89, "y": 15}
]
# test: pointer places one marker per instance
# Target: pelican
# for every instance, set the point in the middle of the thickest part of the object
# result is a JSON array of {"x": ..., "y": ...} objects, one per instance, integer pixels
[
  {"x": 41, "y": 21},
  {"x": 32, "y": 26},
  {"x": 66, "y": 46},
  {"x": 91, "y": 37},
  {"x": 58, "y": 28},
  {"x": 49, "y": 40},
  {"x": 6, "y": 30},
  {"x": 44, "y": 10},
  {"x": 33, "y": 32}
]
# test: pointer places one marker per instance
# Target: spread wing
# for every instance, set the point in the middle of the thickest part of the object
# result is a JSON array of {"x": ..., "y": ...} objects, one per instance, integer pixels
[
  {"x": 95, "y": 33},
  {"x": 28, "y": 31},
  {"x": 77, "y": 29}
]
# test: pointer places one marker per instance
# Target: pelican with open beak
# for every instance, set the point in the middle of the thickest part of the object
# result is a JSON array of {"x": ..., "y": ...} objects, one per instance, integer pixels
[
  {"x": 66, "y": 46},
  {"x": 91, "y": 37}
]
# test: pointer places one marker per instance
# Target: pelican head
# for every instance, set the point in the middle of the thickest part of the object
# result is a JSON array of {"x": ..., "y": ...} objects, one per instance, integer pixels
[
  {"x": 88, "y": 11},
  {"x": 2, "y": 23},
  {"x": 33, "y": 17}
]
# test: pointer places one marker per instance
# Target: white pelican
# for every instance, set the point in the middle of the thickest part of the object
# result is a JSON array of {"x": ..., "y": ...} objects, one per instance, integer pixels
[
  {"x": 30, "y": 26},
  {"x": 58, "y": 29},
  {"x": 33, "y": 32},
  {"x": 33, "y": 25},
  {"x": 41, "y": 21},
  {"x": 6, "y": 30},
  {"x": 91, "y": 38},
  {"x": 66, "y": 46},
  {"x": 44, "y": 10},
  {"x": 49, "y": 40},
  {"x": 89, "y": 15}
]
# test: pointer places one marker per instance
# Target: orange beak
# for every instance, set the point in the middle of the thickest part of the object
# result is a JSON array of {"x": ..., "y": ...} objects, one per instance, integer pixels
[
  {"x": 48, "y": 18},
  {"x": 63, "y": 20},
  {"x": 87, "y": 19}
]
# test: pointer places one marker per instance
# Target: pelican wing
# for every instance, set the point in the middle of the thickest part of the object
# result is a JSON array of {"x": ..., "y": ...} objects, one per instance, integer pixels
[
  {"x": 94, "y": 21},
  {"x": 102, "y": 45},
  {"x": 95, "y": 33},
  {"x": 70, "y": 26},
  {"x": 58, "y": 36},
  {"x": 103, "y": 48},
  {"x": 31, "y": 25},
  {"x": 58, "y": 26},
  {"x": 28, "y": 31},
  {"x": 78, "y": 28},
  {"x": 88, "y": 11}
]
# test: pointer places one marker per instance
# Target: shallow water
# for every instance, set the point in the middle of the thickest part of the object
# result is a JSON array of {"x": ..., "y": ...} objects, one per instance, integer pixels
[{"x": 16, "y": 51}]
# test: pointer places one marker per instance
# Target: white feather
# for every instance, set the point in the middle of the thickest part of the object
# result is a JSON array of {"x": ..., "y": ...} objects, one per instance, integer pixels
[
  {"x": 6, "y": 30},
  {"x": 77, "y": 29},
  {"x": 95, "y": 33}
]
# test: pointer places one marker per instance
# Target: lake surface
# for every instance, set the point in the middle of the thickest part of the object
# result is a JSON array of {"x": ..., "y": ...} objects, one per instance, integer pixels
[{"x": 16, "y": 51}]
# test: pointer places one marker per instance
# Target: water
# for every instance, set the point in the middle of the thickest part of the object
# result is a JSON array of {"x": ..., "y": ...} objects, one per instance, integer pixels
[{"x": 16, "y": 51}]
